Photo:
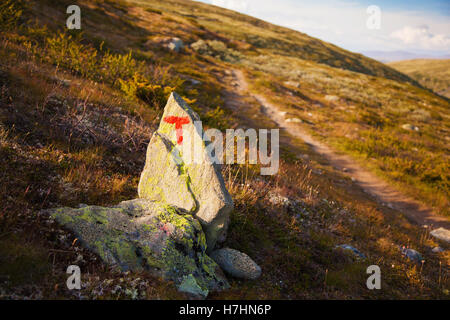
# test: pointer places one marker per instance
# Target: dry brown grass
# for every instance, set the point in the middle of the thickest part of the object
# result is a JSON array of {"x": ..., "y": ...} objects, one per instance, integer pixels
[{"x": 85, "y": 143}]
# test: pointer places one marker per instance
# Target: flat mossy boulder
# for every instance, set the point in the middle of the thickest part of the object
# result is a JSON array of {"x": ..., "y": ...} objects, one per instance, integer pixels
[
  {"x": 139, "y": 235},
  {"x": 173, "y": 176}
]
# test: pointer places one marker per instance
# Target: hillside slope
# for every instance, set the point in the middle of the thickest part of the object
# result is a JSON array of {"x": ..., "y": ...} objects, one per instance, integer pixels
[
  {"x": 357, "y": 112},
  {"x": 256, "y": 36},
  {"x": 77, "y": 110},
  {"x": 430, "y": 73}
]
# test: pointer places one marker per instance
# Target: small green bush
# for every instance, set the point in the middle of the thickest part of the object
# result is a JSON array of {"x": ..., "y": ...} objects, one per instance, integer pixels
[
  {"x": 139, "y": 87},
  {"x": 69, "y": 53},
  {"x": 118, "y": 66},
  {"x": 64, "y": 51}
]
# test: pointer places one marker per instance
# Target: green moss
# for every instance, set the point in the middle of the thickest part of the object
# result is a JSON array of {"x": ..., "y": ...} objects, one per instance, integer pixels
[
  {"x": 94, "y": 215},
  {"x": 62, "y": 217}
]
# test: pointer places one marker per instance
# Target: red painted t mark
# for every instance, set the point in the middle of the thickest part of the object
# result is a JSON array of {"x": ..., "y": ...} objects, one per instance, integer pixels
[{"x": 178, "y": 121}]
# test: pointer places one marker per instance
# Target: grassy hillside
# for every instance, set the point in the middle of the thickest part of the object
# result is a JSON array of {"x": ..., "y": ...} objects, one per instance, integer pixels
[
  {"x": 254, "y": 36},
  {"x": 77, "y": 110},
  {"x": 430, "y": 73},
  {"x": 351, "y": 101}
]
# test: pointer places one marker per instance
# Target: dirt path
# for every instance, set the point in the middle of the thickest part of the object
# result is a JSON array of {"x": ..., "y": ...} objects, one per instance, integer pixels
[{"x": 372, "y": 184}]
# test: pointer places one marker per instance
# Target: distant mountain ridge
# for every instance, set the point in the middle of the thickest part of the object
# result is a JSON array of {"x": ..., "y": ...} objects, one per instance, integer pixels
[
  {"x": 431, "y": 73},
  {"x": 391, "y": 56}
]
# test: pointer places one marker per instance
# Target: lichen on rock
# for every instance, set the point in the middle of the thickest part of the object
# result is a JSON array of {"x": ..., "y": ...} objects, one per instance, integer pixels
[
  {"x": 164, "y": 178},
  {"x": 170, "y": 176},
  {"x": 141, "y": 235}
]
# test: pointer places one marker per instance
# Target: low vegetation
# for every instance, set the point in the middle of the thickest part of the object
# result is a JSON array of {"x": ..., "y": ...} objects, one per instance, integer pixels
[
  {"x": 430, "y": 73},
  {"x": 77, "y": 109}
]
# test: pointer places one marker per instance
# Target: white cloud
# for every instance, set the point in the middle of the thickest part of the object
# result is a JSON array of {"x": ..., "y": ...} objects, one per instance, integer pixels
[
  {"x": 422, "y": 37},
  {"x": 236, "y": 5},
  {"x": 344, "y": 23}
]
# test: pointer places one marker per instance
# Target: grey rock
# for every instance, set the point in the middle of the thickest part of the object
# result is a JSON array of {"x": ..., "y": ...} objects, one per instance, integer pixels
[
  {"x": 175, "y": 44},
  {"x": 441, "y": 234},
  {"x": 164, "y": 178},
  {"x": 176, "y": 173},
  {"x": 294, "y": 84},
  {"x": 331, "y": 98},
  {"x": 194, "y": 81},
  {"x": 410, "y": 127},
  {"x": 351, "y": 249},
  {"x": 236, "y": 263},
  {"x": 142, "y": 235},
  {"x": 295, "y": 120},
  {"x": 437, "y": 250},
  {"x": 412, "y": 255},
  {"x": 277, "y": 199}
]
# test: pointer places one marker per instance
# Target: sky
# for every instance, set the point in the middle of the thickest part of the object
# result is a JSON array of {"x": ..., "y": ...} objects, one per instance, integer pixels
[{"x": 421, "y": 27}]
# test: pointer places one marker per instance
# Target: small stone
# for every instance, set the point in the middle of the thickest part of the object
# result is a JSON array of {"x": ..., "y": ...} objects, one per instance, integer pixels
[
  {"x": 331, "y": 98},
  {"x": 292, "y": 84},
  {"x": 351, "y": 249},
  {"x": 437, "y": 250},
  {"x": 277, "y": 199},
  {"x": 295, "y": 120},
  {"x": 175, "y": 44},
  {"x": 236, "y": 263},
  {"x": 412, "y": 255},
  {"x": 441, "y": 234},
  {"x": 194, "y": 81},
  {"x": 410, "y": 127}
]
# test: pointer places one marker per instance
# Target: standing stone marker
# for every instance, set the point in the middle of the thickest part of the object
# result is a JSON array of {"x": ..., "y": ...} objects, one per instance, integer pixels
[{"x": 170, "y": 176}]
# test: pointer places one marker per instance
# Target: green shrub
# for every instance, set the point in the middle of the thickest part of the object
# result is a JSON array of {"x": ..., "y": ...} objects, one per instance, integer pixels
[
  {"x": 118, "y": 66},
  {"x": 64, "y": 51},
  {"x": 139, "y": 87},
  {"x": 69, "y": 53}
]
